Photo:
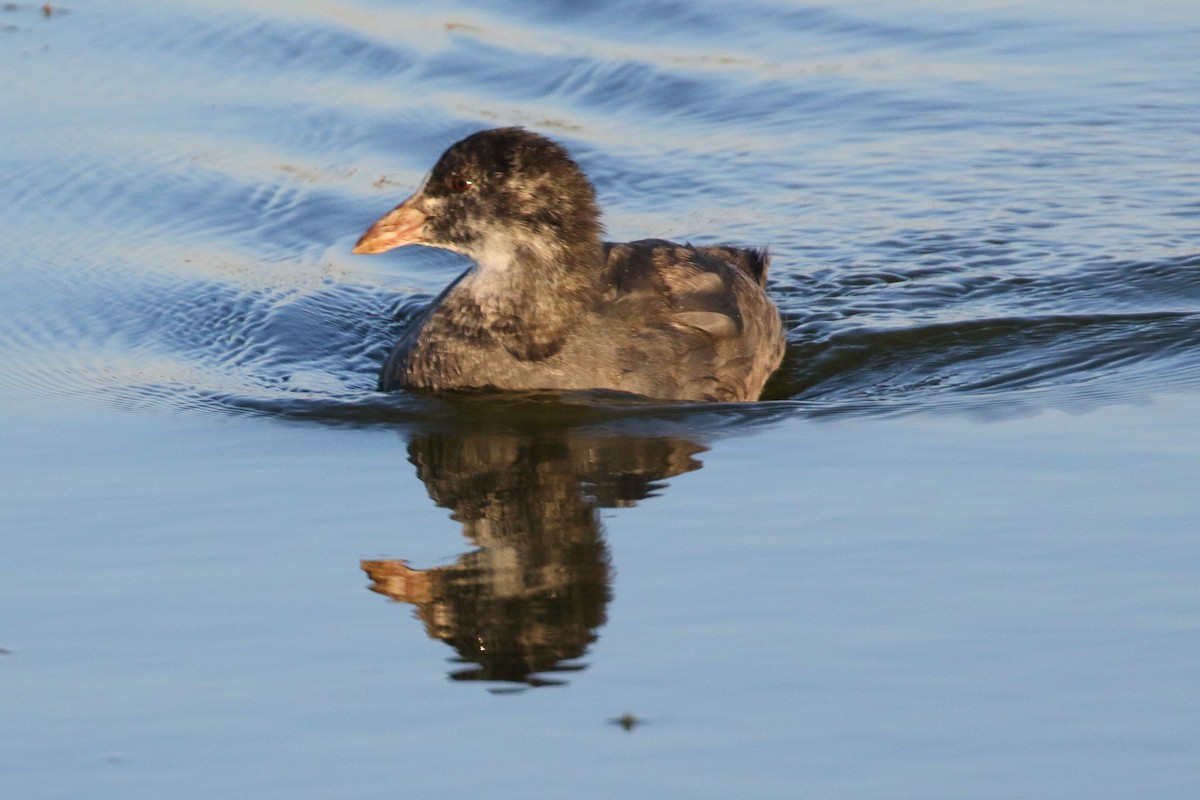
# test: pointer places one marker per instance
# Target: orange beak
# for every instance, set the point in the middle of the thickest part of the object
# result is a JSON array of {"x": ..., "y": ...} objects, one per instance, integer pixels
[{"x": 403, "y": 225}]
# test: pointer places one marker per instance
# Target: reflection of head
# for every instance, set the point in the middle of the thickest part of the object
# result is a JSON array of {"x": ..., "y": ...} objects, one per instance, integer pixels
[{"x": 534, "y": 593}]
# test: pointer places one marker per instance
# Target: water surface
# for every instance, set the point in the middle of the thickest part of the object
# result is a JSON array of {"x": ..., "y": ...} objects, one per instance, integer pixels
[{"x": 952, "y": 555}]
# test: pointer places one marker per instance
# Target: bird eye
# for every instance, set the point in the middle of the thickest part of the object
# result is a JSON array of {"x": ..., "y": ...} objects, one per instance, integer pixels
[{"x": 461, "y": 183}]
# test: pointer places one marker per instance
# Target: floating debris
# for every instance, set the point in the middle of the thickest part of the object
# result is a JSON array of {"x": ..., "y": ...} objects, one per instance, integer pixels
[{"x": 627, "y": 721}]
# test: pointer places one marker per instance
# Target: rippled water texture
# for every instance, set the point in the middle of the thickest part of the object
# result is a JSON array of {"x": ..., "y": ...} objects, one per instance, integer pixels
[{"x": 986, "y": 209}]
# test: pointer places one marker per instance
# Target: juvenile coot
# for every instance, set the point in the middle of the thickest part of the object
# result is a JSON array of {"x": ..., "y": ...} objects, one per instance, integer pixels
[{"x": 549, "y": 306}]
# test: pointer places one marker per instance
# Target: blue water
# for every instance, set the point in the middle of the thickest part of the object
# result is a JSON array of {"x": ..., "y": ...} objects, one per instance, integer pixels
[{"x": 953, "y": 554}]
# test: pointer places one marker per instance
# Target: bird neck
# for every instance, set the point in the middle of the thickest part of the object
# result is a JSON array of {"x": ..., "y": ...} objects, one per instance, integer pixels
[{"x": 531, "y": 292}]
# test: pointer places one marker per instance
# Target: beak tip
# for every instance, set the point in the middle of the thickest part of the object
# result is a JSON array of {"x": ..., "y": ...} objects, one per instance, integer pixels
[{"x": 400, "y": 226}]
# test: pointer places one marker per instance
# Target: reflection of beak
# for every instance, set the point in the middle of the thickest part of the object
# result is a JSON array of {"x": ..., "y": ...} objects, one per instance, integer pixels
[
  {"x": 403, "y": 225},
  {"x": 397, "y": 580}
]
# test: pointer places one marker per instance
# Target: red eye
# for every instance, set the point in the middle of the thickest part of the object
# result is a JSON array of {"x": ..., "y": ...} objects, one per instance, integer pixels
[{"x": 461, "y": 184}]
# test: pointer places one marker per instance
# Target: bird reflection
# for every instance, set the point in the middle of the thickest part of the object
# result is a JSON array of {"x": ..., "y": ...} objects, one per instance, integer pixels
[{"x": 528, "y": 602}]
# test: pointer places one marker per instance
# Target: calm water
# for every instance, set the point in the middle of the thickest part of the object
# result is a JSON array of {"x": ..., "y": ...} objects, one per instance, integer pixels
[{"x": 955, "y": 553}]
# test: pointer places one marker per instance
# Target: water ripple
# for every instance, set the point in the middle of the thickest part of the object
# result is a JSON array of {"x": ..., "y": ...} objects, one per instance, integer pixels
[{"x": 956, "y": 224}]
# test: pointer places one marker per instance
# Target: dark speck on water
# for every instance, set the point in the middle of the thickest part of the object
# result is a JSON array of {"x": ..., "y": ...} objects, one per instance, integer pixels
[
  {"x": 951, "y": 553},
  {"x": 627, "y": 722}
]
